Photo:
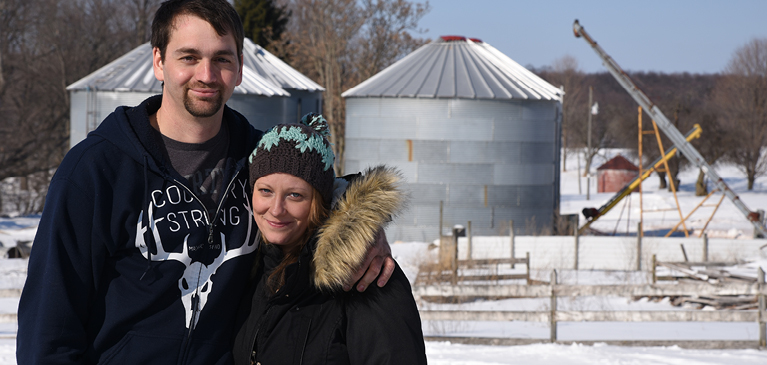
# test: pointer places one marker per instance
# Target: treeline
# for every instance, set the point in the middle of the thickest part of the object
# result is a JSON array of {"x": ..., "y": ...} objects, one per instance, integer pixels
[
  {"x": 46, "y": 45},
  {"x": 730, "y": 107}
]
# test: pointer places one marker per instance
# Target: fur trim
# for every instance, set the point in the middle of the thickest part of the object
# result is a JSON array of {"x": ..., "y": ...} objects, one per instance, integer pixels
[{"x": 370, "y": 202}]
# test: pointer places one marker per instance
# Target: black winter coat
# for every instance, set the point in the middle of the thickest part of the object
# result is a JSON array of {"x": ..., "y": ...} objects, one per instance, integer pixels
[{"x": 310, "y": 321}]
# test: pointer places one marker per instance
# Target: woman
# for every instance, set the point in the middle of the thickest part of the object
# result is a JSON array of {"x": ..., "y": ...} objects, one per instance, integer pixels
[{"x": 297, "y": 313}]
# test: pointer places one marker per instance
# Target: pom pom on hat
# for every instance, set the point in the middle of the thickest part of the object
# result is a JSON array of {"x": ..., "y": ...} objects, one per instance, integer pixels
[{"x": 317, "y": 122}]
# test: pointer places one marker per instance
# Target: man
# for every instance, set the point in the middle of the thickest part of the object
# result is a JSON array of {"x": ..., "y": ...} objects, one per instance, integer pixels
[{"x": 132, "y": 263}]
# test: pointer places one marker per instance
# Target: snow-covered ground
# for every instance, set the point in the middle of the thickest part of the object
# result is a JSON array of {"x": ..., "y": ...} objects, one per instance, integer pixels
[{"x": 659, "y": 216}]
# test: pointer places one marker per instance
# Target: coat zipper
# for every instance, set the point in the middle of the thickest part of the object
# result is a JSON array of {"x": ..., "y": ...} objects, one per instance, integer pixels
[
  {"x": 264, "y": 319},
  {"x": 306, "y": 340},
  {"x": 211, "y": 225},
  {"x": 253, "y": 352}
]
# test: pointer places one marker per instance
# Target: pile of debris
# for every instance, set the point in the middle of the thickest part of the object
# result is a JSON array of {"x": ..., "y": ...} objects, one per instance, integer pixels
[{"x": 713, "y": 273}]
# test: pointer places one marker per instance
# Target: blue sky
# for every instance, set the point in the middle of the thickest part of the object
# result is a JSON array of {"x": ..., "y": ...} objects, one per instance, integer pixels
[{"x": 650, "y": 35}]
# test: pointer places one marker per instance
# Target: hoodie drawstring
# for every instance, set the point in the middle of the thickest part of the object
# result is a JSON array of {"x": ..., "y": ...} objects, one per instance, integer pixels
[{"x": 145, "y": 219}]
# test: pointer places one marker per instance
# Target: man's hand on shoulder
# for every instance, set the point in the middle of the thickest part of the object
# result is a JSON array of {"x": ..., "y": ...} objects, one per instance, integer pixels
[{"x": 378, "y": 264}]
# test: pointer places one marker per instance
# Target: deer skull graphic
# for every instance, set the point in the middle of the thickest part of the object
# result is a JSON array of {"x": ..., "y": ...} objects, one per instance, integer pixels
[{"x": 195, "y": 284}]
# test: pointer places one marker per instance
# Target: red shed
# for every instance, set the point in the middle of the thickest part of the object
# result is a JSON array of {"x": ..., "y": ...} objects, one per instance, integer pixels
[{"x": 615, "y": 174}]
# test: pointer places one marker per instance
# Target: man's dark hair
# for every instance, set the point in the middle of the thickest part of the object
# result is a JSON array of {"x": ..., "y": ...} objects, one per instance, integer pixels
[{"x": 219, "y": 13}]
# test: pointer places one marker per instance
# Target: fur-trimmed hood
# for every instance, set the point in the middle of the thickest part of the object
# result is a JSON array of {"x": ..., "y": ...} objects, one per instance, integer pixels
[{"x": 370, "y": 202}]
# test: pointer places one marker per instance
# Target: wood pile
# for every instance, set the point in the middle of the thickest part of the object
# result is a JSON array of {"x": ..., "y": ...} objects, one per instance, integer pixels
[{"x": 713, "y": 273}]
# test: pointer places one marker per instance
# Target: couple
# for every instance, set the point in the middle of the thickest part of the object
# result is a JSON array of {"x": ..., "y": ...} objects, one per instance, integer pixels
[{"x": 148, "y": 242}]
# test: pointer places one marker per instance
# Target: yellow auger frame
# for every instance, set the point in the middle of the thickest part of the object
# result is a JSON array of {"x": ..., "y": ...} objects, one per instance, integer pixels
[{"x": 596, "y": 213}]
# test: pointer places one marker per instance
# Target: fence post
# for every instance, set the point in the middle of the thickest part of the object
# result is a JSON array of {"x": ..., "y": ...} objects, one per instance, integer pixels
[
  {"x": 440, "y": 221},
  {"x": 511, "y": 241},
  {"x": 654, "y": 262},
  {"x": 705, "y": 247},
  {"x": 639, "y": 246},
  {"x": 762, "y": 305},
  {"x": 684, "y": 252},
  {"x": 553, "y": 318},
  {"x": 577, "y": 248},
  {"x": 454, "y": 258},
  {"x": 527, "y": 258},
  {"x": 468, "y": 250}
]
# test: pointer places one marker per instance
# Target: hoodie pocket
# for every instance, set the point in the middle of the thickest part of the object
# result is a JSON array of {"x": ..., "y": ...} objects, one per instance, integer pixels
[{"x": 142, "y": 349}]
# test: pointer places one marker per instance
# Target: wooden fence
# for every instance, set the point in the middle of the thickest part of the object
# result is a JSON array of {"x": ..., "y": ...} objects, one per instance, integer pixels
[
  {"x": 453, "y": 271},
  {"x": 552, "y": 316},
  {"x": 606, "y": 252}
]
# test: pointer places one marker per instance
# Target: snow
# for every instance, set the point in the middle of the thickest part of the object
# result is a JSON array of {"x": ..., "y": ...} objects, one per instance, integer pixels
[
  {"x": 440, "y": 353},
  {"x": 659, "y": 216}
]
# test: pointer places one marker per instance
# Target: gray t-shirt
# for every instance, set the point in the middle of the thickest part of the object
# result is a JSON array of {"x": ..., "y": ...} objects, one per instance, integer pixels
[{"x": 202, "y": 165}]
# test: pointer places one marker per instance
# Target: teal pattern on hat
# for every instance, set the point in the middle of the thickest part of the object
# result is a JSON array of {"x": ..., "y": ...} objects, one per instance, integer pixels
[
  {"x": 314, "y": 142},
  {"x": 299, "y": 149}
]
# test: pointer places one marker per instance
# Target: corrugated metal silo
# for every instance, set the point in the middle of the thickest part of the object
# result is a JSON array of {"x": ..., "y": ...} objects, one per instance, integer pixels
[{"x": 470, "y": 128}]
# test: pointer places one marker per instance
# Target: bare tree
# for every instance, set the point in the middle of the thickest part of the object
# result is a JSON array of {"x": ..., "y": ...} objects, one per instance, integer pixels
[
  {"x": 321, "y": 34},
  {"x": 600, "y": 131},
  {"x": 566, "y": 74},
  {"x": 140, "y": 14},
  {"x": 339, "y": 43},
  {"x": 25, "y": 128},
  {"x": 46, "y": 45},
  {"x": 385, "y": 35},
  {"x": 741, "y": 97}
]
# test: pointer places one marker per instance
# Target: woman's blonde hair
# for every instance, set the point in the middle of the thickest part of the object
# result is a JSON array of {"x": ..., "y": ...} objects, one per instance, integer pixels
[{"x": 318, "y": 213}]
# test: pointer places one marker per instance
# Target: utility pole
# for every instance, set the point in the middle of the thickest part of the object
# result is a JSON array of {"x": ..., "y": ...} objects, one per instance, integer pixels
[
  {"x": 564, "y": 131},
  {"x": 588, "y": 148}
]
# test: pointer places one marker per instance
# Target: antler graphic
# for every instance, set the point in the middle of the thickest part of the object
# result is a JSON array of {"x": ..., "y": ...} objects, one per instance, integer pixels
[{"x": 195, "y": 284}]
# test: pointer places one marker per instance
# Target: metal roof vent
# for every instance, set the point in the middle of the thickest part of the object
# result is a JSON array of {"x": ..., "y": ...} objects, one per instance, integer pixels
[{"x": 458, "y": 38}]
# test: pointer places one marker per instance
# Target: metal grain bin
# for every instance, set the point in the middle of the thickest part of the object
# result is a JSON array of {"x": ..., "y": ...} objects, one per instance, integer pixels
[{"x": 469, "y": 128}]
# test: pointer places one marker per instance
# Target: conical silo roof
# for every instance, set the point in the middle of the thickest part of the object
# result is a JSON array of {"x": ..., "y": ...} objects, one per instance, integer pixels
[
  {"x": 133, "y": 72},
  {"x": 274, "y": 69},
  {"x": 456, "y": 67}
]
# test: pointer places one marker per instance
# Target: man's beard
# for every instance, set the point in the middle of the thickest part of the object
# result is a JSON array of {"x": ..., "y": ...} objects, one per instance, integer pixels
[{"x": 203, "y": 108}]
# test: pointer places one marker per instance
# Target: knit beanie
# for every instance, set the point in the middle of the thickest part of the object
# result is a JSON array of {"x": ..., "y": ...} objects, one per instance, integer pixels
[{"x": 301, "y": 150}]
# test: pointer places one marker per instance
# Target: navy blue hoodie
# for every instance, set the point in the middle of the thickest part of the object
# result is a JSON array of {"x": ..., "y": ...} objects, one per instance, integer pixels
[{"x": 126, "y": 266}]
